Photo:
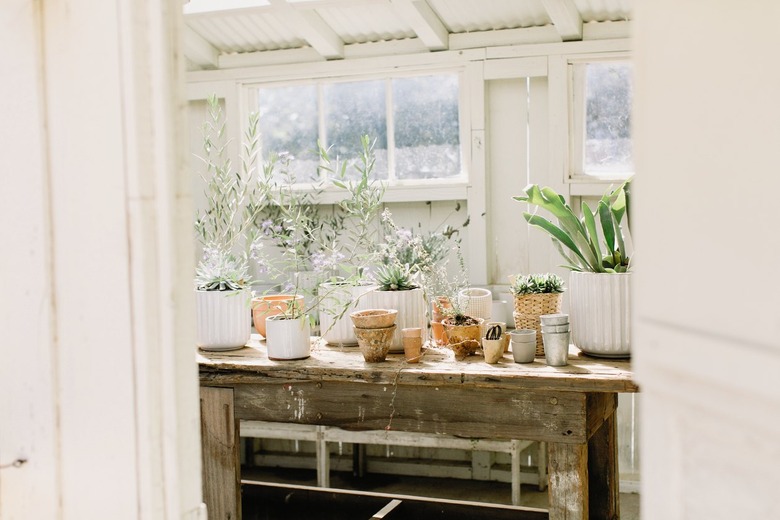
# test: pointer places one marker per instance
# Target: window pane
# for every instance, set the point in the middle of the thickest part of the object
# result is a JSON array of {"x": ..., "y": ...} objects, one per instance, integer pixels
[
  {"x": 288, "y": 123},
  {"x": 608, "y": 96},
  {"x": 427, "y": 130},
  {"x": 352, "y": 110}
]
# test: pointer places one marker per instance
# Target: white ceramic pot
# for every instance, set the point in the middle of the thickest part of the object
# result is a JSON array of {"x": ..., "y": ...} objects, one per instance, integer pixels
[
  {"x": 335, "y": 326},
  {"x": 600, "y": 313},
  {"x": 288, "y": 339},
  {"x": 476, "y": 302},
  {"x": 223, "y": 319},
  {"x": 411, "y": 311}
]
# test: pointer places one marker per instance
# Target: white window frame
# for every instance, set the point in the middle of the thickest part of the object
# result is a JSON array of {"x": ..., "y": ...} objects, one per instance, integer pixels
[
  {"x": 406, "y": 190},
  {"x": 576, "y": 82}
]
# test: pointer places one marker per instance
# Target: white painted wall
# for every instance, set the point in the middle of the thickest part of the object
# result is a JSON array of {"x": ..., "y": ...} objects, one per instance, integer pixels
[
  {"x": 98, "y": 381},
  {"x": 707, "y": 291}
]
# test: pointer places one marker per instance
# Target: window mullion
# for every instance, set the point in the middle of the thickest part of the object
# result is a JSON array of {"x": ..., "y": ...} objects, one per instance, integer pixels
[
  {"x": 322, "y": 130},
  {"x": 390, "y": 130}
]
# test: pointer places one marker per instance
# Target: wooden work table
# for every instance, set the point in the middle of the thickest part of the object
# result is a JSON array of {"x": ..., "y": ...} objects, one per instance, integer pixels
[{"x": 572, "y": 408}]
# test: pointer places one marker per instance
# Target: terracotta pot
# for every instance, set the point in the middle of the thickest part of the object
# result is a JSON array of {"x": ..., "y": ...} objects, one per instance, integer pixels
[
  {"x": 412, "y": 344},
  {"x": 271, "y": 305},
  {"x": 439, "y": 304},
  {"x": 464, "y": 340},
  {"x": 437, "y": 331},
  {"x": 374, "y": 318},
  {"x": 375, "y": 343}
]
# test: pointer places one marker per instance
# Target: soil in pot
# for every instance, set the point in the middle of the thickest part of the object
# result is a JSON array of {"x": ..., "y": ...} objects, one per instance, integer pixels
[
  {"x": 463, "y": 335},
  {"x": 375, "y": 343}
]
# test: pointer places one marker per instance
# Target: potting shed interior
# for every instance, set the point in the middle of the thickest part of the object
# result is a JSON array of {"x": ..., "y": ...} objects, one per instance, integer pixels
[{"x": 120, "y": 115}]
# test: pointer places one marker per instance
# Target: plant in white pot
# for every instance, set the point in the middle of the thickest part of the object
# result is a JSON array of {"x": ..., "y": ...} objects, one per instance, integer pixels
[
  {"x": 233, "y": 200},
  {"x": 363, "y": 199},
  {"x": 397, "y": 290},
  {"x": 597, "y": 250}
]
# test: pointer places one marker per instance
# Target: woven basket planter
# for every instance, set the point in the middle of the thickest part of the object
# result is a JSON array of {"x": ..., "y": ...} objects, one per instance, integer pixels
[{"x": 528, "y": 308}]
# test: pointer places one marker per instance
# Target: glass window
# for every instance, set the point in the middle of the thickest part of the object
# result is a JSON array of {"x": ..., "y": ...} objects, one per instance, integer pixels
[
  {"x": 427, "y": 130},
  {"x": 289, "y": 123},
  {"x": 352, "y": 110},
  {"x": 415, "y": 122},
  {"x": 607, "y": 150}
]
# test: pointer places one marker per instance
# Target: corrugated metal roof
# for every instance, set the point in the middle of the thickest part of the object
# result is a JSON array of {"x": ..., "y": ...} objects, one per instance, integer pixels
[
  {"x": 246, "y": 26},
  {"x": 461, "y": 16}
]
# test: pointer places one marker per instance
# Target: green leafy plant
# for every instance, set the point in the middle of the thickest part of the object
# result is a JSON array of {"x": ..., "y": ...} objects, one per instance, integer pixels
[
  {"x": 394, "y": 278},
  {"x": 234, "y": 198},
  {"x": 578, "y": 239},
  {"x": 537, "y": 284}
]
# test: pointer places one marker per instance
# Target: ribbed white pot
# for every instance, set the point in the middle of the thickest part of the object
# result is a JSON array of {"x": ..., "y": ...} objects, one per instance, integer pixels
[
  {"x": 476, "y": 302},
  {"x": 335, "y": 327},
  {"x": 223, "y": 319},
  {"x": 288, "y": 339},
  {"x": 411, "y": 312},
  {"x": 600, "y": 313}
]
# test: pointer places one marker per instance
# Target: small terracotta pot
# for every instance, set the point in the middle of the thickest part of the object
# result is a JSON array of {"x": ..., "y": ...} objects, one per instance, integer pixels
[
  {"x": 375, "y": 343},
  {"x": 412, "y": 344},
  {"x": 437, "y": 331},
  {"x": 374, "y": 318},
  {"x": 439, "y": 304},
  {"x": 271, "y": 305},
  {"x": 464, "y": 340}
]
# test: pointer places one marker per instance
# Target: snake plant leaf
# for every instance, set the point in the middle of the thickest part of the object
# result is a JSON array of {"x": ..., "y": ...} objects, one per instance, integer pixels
[
  {"x": 590, "y": 225},
  {"x": 607, "y": 226},
  {"x": 556, "y": 232}
]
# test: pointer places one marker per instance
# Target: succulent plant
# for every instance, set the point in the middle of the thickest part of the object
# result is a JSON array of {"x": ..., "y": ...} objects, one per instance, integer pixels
[
  {"x": 394, "y": 278},
  {"x": 537, "y": 284}
]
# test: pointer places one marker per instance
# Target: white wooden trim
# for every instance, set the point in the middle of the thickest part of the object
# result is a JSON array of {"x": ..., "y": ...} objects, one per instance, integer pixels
[
  {"x": 515, "y": 68},
  {"x": 476, "y": 257},
  {"x": 607, "y": 30},
  {"x": 547, "y": 49},
  {"x": 524, "y": 36},
  {"x": 566, "y": 18}
]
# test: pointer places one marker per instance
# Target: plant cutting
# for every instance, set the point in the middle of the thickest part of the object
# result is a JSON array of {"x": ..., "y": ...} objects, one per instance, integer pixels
[
  {"x": 463, "y": 332},
  {"x": 234, "y": 198},
  {"x": 597, "y": 249},
  {"x": 535, "y": 295}
]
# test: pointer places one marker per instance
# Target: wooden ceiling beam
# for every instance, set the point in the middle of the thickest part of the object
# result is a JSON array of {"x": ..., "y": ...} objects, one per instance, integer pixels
[
  {"x": 424, "y": 22},
  {"x": 200, "y": 51},
  {"x": 565, "y": 17},
  {"x": 312, "y": 28}
]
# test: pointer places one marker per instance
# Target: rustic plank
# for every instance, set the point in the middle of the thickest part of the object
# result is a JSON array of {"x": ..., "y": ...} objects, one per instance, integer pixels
[
  {"x": 603, "y": 471},
  {"x": 219, "y": 439},
  {"x": 461, "y": 411},
  {"x": 600, "y": 407},
  {"x": 568, "y": 467},
  {"x": 437, "y": 367}
]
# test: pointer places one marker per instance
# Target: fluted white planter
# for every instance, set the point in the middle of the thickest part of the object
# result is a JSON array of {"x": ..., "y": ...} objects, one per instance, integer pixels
[
  {"x": 223, "y": 319},
  {"x": 600, "y": 313},
  {"x": 288, "y": 339},
  {"x": 335, "y": 327},
  {"x": 476, "y": 302},
  {"x": 411, "y": 311}
]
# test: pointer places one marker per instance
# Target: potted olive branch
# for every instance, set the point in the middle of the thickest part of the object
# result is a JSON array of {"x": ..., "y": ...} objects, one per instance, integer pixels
[
  {"x": 233, "y": 200},
  {"x": 597, "y": 249}
]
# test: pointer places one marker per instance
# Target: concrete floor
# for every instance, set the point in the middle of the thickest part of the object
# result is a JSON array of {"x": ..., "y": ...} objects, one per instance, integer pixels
[{"x": 456, "y": 489}]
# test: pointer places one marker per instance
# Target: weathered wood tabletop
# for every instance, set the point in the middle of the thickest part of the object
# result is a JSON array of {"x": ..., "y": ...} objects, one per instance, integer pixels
[
  {"x": 570, "y": 407},
  {"x": 437, "y": 366}
]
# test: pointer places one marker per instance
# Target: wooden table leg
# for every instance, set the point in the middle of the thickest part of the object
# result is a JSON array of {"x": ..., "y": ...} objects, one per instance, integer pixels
[
  {"x": 603, "y": 471},
  {"x": 568, "y": 470},
  {"x": 221, "y": 468}
]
